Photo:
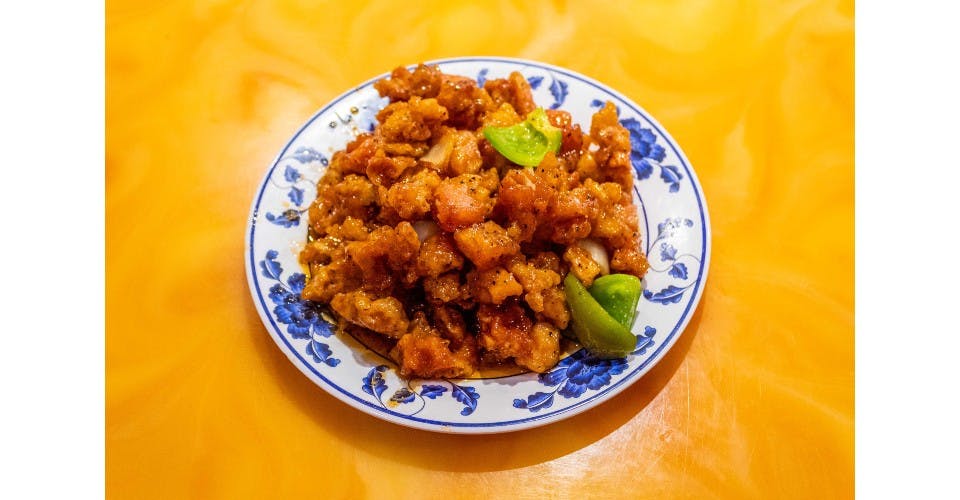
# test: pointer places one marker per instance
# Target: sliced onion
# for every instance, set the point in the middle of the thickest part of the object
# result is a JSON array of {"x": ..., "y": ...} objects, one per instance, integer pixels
[
  {"x": 425, "y": 229},
  {"x": 597, "y": 253},
  {"x": 439, "y": 154}
]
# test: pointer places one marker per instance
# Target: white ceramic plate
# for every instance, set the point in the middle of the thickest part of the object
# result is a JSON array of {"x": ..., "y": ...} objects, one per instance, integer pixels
[{"x": 673, "y": 221}]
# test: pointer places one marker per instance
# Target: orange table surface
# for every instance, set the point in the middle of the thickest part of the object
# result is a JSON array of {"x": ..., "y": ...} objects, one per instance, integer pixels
[{"x": 756, "y": 400}]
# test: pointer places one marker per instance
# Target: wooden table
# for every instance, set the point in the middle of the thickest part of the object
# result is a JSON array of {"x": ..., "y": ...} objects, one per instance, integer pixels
[{"x": 755, "y": 400}]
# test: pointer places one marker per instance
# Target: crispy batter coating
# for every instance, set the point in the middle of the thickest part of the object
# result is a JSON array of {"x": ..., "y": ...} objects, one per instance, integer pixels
[
  {"x": 438, "y": 254},
  {"x": 424, "y": 353},
  {"x": 445, "y": 289},
  {"x": 513, "y": 90},
  {"x": 582, "y": 264},
  {"x": 412, "y": 121},
  {"x": 493, "y": 286},
  {"x": 412, "y": 197},
  {"x": 506, "y": 331},
  {"x": 384, "y": 315},
  {"x": 613, "y": 140},
  {"x": 432, "y": 246},
  {"x": 462, "y": 201},
  {"x": 465, "y": 102},
  {"x": 485, "y": 244},
  {"x": 424, "y": 81},
  {"x": 465, "y": 156}
]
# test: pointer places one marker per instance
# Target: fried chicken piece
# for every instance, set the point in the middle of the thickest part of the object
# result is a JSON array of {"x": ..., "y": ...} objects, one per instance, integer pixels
[
  {"x": 382, "y": 315},
  {"x": 630, "y": 261},
  {"x": 438, "y": 254},
  {"x": 415, "y": 120},
  {"x": 424, "y": 81},
  {"x": 492, "y": 286},
  {"x": 544, "y": 348},
  {"x": 485, "y": 244},
  {"x": 445, "y": 288},
  {"x": 465, "y": 157},
  {"x": 461, "y": 201},
  {"x": 465, "y": 102},
  {"x": 350, "y": 196},
  {"x": 513, "y": 90},
  {"x": 613, "y": 155},
  {"x": 424, "y": 353},
  {"x": 412, "y": 197},
  {"x": 582, "y": 264},
  {"x": 507, "y": 332},
  {"x": 386, "y": 254}
]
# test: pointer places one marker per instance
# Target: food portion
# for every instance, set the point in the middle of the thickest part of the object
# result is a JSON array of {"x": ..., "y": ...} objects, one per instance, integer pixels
[{"x": 465, "y": 230}]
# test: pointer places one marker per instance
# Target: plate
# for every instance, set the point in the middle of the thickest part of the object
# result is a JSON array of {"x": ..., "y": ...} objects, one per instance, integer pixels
[{"x": 675, "y": 229}]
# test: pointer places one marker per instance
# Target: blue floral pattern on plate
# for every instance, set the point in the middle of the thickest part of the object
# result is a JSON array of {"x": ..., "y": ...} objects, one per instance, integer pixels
[
  {"x": 579, "y": 373},
  {"x": 290, "y": 178},
  {"x": 302, "y": 317},
  {"x": 375, "y": 385},
  {"x": 677, "y": 246},
  {"x": 667, "y": 253}
]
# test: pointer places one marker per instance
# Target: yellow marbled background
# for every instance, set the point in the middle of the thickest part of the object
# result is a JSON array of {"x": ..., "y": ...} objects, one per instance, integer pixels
[{"x": 755, "y": 400}]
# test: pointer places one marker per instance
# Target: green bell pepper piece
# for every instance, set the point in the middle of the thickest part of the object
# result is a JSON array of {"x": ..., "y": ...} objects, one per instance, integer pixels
[
  {"x": 527, "y": 142},
  {"x": 618, "y": 294},
  {"x": 596, "y": 330}
]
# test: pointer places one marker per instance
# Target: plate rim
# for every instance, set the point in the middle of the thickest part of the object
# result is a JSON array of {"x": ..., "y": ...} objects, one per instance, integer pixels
[{"x": 481, "y": 427}]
